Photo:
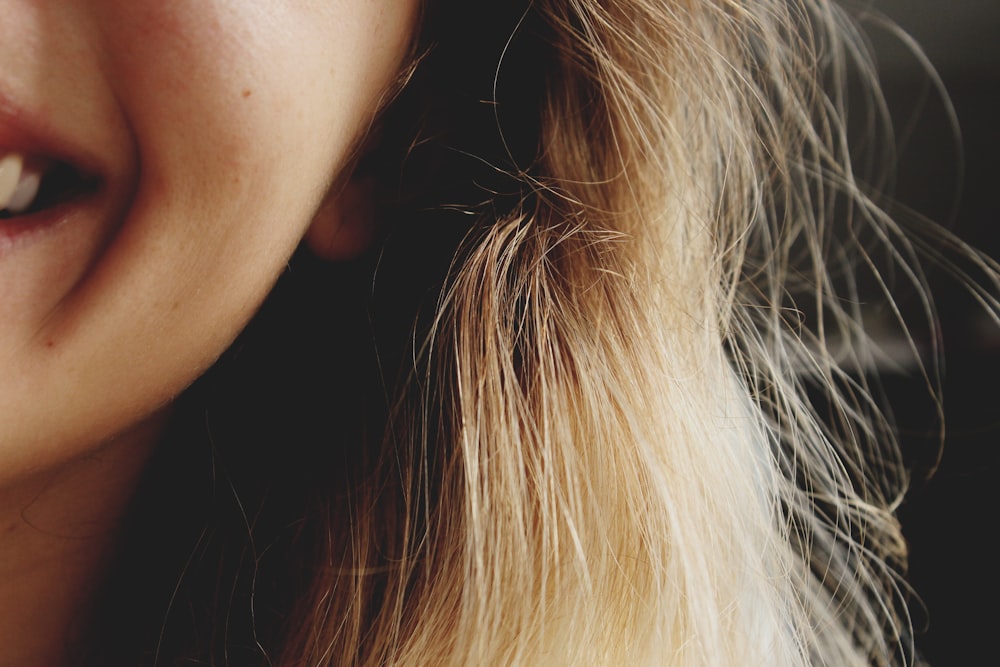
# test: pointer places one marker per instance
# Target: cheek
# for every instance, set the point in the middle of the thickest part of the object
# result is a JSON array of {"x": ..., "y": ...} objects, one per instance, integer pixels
[
  {"x": 243, "y": 114},
  {"x": 234, "y": 153},
  {"x": 223, "y": 112},
  {"x": 240, "y": 118}
]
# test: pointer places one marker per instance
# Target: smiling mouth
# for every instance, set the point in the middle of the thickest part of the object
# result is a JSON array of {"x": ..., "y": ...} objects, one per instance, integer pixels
[{"x": 31, "y": 184}]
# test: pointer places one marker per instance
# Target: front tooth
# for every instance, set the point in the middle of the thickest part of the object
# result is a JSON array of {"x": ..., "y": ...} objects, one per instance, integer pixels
[
  {"x": 25, "y": 193},
  {"x": 10, "y": 175}
]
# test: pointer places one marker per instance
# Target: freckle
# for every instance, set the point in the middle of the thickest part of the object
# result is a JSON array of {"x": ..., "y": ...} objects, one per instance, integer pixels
[{"x": 247, "y": 93}]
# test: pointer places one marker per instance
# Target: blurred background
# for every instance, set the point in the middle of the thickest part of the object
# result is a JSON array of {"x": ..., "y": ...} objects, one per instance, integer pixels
[{"x": 950, "y": 517}]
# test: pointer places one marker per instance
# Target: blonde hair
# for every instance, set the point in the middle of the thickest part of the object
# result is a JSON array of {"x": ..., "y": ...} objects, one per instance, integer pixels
[{"x": 636, "y": 425}]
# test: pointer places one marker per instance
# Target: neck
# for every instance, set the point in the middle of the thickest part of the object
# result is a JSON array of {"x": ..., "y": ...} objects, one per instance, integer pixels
[{"x": 59, "y": 527}]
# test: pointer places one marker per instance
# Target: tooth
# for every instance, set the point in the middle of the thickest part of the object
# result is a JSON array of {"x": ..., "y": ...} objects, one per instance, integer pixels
[
  {"x": 25, "y": 193},
  {"x": 10, "y": 176}
]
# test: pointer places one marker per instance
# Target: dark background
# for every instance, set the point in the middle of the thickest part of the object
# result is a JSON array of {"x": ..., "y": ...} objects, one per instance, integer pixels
[{"x": 950, "y": 519}]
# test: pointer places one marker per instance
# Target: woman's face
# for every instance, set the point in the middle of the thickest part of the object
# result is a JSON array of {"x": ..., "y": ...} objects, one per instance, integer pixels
[{"x": 200, "y": 138}]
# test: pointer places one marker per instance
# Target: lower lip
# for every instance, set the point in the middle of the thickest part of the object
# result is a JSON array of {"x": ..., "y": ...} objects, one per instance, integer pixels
[{"x": 21, "y": 230}]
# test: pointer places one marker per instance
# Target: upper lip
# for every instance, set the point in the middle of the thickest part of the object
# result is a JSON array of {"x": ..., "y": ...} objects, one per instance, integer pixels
[{"x": 30, "y": 135}]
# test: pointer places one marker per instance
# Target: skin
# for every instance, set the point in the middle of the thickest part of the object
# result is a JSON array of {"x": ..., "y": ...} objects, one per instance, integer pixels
[{"x": 222, "y": 130}]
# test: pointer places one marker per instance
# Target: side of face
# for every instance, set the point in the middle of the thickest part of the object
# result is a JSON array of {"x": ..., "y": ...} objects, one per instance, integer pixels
[{"x": 207, "y": 134}]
